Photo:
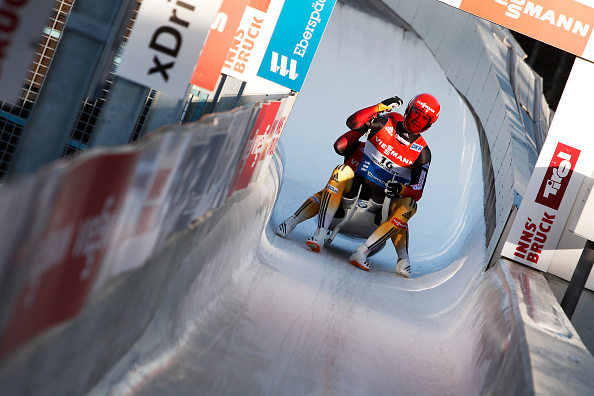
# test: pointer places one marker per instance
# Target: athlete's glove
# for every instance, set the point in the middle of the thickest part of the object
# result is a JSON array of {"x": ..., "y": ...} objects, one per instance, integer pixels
[
  {"x": 389, "y": 104},
  {"x": 393, "y": 189}
]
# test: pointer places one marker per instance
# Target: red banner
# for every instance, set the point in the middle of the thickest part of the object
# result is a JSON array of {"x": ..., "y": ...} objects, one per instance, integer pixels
[
  {"x": 215, "y": 50},
  {"x": 557, "y": 176},
  {"x": 264, "y": 143},
  {"x": 255, "y": 146},
  {"x": 71, "y": 248}
]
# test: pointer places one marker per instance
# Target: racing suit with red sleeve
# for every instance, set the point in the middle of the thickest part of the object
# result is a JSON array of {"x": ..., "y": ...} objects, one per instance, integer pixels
[{"x": 391, "y": 154}]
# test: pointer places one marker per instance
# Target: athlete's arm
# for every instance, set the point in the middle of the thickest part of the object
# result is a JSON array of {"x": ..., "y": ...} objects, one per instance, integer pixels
[
  {"x": 359, "y": 119},
  {"x": 418, "y": 177},
  {"x": 347, "y": 142},
  {"x": 366, "y": 119}
]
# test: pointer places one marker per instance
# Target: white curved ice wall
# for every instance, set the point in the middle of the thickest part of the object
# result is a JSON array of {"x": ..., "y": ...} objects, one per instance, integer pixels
[{"x": 352, "y": 71}]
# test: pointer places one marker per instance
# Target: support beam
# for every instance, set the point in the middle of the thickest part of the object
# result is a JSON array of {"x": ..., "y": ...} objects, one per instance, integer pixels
[
  {"x": 578, "y": 280},
  {"x": 120, "y": 113},
  {"x": 88, "y": 31}
]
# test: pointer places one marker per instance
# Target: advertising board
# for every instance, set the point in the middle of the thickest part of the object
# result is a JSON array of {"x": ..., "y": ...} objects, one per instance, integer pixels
[
  {"x": 165, "y": 43},
  {"x": 295, "y": 40},
  {"x": 219, "y": 40},
  {"x": 68, "y": 255},
  {"x": 565, "y": 24},
  {"x": 251, "y": 39},
  {"x": 255, "y": 145},
  {"x": 566, "y": 158}
]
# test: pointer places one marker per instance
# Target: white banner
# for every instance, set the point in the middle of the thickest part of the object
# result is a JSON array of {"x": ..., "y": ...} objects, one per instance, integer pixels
[
  {"x": 566, "y": 157},
  {"x": 21, "y": 27},
  {"x": 582, "y": 224},
  {"x": 165, "y": 43},
  {"x": 252, "y": 38}
]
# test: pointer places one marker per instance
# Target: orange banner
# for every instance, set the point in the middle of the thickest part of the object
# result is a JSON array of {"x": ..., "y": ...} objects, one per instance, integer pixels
[
  {"x": 564, "y": 24},
  {"x": 213, "y": 55}
]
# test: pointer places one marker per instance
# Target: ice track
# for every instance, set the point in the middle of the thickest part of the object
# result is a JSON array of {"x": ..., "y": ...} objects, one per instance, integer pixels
[{"x": 301, "y": 323}]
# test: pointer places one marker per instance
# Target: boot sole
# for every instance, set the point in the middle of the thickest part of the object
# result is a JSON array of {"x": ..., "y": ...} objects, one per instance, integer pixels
[
  {"x": 356, "y": 264},
  {"x": 313, "y": 246}
]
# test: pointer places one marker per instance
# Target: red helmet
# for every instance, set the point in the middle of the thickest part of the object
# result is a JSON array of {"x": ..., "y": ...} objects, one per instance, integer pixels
[{"x": 422, "y": 111}]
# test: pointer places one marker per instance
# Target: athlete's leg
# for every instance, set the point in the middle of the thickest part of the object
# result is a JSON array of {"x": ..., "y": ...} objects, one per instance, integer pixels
[
  {"x": 401, "y": 210},
  {"x": 400, "y": 241},
  {"x": 341, "y": 181},
  {"x": 307, "y": 210}
]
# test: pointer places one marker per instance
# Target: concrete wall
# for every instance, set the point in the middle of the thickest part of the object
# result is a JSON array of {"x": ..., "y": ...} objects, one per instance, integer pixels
[
  {"x": 155, "y": 301},
  {"x": 533, "y": 346}
]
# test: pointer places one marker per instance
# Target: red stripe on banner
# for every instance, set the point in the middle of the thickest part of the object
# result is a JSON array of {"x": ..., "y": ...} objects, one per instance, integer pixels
[
  {"x": 71, "y": 249},
  {"x": 269, "y": 126},
  {"x": 219, "y": 40},
  {"x": 255, "y": 146},
  {"x": 261, "y": 5}
]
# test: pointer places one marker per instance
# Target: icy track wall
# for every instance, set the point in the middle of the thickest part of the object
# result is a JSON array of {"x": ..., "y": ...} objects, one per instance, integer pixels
[
  {"x": 532, "y": 345},
  {"x": 486, "y": 65},
  {"x": 76, "y": 230}
]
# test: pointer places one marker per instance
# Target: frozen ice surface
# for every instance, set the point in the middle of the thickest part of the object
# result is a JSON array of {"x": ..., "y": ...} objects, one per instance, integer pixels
[{"x": 353, "y": 70}]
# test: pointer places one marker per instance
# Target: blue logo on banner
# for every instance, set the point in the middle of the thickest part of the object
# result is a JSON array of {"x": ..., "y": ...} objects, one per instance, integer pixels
[{"x": 294, "y": 42}]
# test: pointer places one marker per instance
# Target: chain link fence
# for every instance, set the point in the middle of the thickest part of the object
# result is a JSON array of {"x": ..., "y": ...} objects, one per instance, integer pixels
[{"x": 14, "y": 115}]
